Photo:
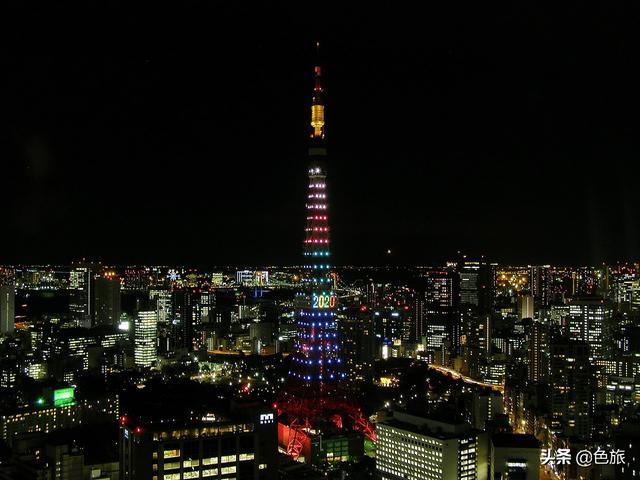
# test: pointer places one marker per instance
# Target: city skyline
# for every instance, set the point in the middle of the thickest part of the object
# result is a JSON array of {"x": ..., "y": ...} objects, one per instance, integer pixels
[
  {"x": 443, "y": 136},
  {"x": 448, "y": 357}
]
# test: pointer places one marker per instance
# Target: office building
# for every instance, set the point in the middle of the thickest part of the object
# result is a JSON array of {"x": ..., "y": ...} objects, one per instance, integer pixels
[
  {"x": 538, "y": 352},
  {"x": 7, "y": 309},
  {"x": 162, "y": 297},
  {"x": 208, "y": 445},
  {"x": 572, "y": 388},
  {"x": 58, "y": 409},
  {"x": 485, "y": 407},
  {"x": 411, "y": 447},
  {"x": 145, "y": 338},
  {"x": 107, "y": 299},
  {"x": 590, "y": 321},
  {"x": 186, "y": 320},
  {"x": 81, "y": 285},
  {"x": 525, "y": 306}
]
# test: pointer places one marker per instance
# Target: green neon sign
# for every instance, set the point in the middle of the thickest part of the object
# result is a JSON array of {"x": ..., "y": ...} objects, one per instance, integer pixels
[{"x": 63, "y": 396}]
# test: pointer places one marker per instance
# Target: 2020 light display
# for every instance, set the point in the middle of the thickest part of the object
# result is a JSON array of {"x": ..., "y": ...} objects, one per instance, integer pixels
[{"x": 315, "y": 400}]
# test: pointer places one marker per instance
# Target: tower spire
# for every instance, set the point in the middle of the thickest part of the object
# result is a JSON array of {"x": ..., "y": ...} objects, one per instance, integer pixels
[{"x": 317, "y": 104}]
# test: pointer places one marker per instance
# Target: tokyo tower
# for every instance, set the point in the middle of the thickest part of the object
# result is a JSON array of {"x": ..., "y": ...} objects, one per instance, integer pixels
[{"x": 314, "y": 406}]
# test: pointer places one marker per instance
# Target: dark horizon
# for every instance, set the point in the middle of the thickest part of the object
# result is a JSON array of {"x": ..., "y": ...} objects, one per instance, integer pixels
[{"x": 162, "y": 136}]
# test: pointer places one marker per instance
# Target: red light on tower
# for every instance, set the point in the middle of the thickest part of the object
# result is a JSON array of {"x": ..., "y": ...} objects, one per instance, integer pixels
[
  {"x": 138, "y": 430},
  {"x": 123, "y": 420}
]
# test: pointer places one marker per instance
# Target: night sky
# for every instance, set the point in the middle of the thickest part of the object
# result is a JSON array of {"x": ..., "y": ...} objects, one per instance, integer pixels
[{"x": 142, "y": 133}]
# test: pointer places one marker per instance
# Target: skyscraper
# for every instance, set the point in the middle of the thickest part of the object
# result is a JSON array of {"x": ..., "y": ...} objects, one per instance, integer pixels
[
  {"x": 572, "y": 388},
  {"x": 477, "y": 285},
  {"x": 186, "y": 321},
  {"x": 525, "y": 306},
  {"x": 81, "y": 286},
  {"x": 469, "y": 279},
  {"x": 107, "y": 299},
  {"x": 314, "y": 402},
  {"x": 145, "y": 333},
  {"x": 590, "y": 320},
  {"x": 538, "y": 352},
  {"x": 7, "y": 309}
]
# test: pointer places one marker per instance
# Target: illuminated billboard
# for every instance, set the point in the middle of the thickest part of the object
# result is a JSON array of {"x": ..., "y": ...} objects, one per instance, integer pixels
[{"x": 63, "y": 396}]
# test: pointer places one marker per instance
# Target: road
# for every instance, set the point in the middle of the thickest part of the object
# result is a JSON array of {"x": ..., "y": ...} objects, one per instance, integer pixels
[{"x": 459, "y": 376}]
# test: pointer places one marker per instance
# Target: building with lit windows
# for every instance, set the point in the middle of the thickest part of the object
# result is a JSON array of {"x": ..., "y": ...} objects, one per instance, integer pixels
[
  {"x": 145, "y": 337},
  {"x": 572, "y": 388},
  {"x": 162, "y": 298},
  {"x": 477, "y": 285},
  {"x": 81, "y": 285},
  {"x": 484, "y": 408},
  {"x": 7, "y": 309},
  {"x": 417, "y": 448},
  {"x": 538, "y": 353},
  {"x": 107, "y": 299},
  {"x": 525, "y": 306},
  {"x": 186, "y": 318},
  {"x": 72, "y": 346},
  {"x": 359, "y": 343},
  {"x": 211, "y": 445},
  {"x": 589, "y": 320},
  {"x": 56, "y": 411},
  {"x": 627, "y": 438}
]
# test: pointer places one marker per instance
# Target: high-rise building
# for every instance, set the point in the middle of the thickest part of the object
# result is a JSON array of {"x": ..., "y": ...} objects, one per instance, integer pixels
[
  {"x": 206, "y": 304},
  {"x": 145, "y": 336},
  {"x": 186, "y": 320},
  {"x": 314, "y": 409},
  {"x": 484, "y": 407},
  {"x": 428, "y": 449},
  {"x": 590, "y": 320},
  {"x": 469, "y": 278},
  {"x": 476, "y": 342},
  {"x": 359, "y": 343},
  {"x": 7, "y": 309},
  {"x": 107, "y": 299},
  {"x": 627, "y": 439},
  {"x": 477, "y": 285},
  {"x": 437, "y": 310},
  {"x": 538, "y": 352},
  {"x": 81, "y": 284},
  {"x": 540, "y": 280},
  {"x": 572, "y": 388},
  {"x": 162, "y": 298},
  {"x": 525, "y": 306},
  {"x": 136, "y": 279}
]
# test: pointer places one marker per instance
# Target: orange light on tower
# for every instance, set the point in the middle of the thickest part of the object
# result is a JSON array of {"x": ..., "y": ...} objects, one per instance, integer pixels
[
  {"x": 317, "y": 120},
  {"x": 317, "y": 105}
]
